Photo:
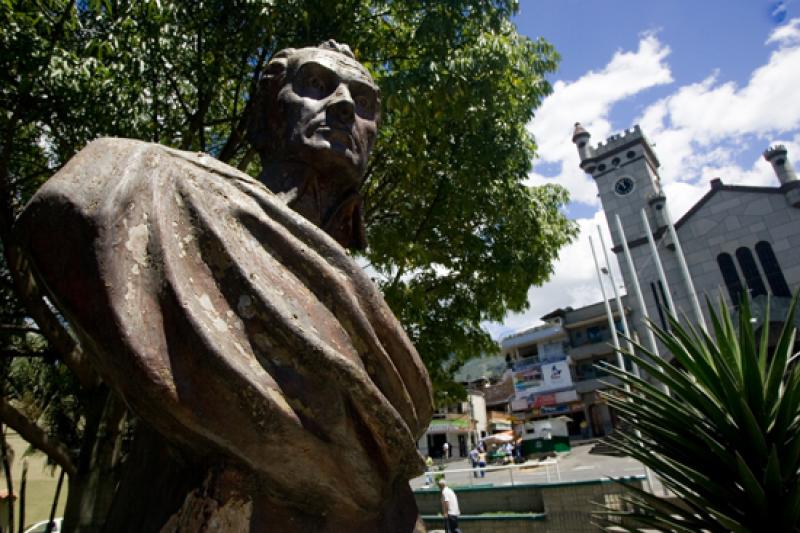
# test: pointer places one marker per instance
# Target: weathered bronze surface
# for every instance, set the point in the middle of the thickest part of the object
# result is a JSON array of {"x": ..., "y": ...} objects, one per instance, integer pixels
[{"x": 228, "y": 321}]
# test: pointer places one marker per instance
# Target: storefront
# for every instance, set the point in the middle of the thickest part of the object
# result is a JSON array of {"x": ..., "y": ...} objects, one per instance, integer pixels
[{"x": 455, "y": 431}]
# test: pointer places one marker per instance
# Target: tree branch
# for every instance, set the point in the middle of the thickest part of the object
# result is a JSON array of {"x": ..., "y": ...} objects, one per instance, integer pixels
[
  {"x": 38, "y": 437},
  {"x": 237, "y": 133},
  {"x": 19, "y": 329},
  {"x": 50, "y": 326}
]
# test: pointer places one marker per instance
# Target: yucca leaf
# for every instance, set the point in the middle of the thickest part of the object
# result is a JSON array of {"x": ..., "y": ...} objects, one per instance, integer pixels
[
  {"x": 788, "y": 406},
  {"x": 781, "y": 354},
  {"x": 773, "y": 484},
  {"x": 729, "y": 524},
  {"x": 791, "y": 507},
  {"x": 674, "y": 379},
  {"x": 757, "y": 443},
  {"x": 645, "y": 501},
  {"x": 752, "y": 379},
  {"x": 791, "y": 454},
  {"x": 680, "y": 386},
  {"x": 726, "y": 439},
  {"x": 752, "y": 487},
  {"x": 763, "y": 352}
]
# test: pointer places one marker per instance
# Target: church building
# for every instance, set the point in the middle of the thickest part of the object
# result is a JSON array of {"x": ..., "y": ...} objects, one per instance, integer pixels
[{"x": 736, "y": 239}]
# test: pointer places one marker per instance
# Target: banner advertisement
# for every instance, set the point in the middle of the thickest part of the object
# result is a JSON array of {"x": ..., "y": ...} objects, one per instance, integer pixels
[{"x": 542, "y": 378}]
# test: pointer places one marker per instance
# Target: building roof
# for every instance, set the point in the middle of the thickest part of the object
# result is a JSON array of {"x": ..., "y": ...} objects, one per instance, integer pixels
[
  {"x": 716, "y": 187},
  {"x": 499, "y": 393},
  {"x": 532, "y": 335}
]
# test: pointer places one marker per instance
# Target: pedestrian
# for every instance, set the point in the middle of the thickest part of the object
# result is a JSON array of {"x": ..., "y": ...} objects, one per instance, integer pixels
[
  {"x": 446, "y": 450},
  {"x": 473, "y": 459},
  {"x": 482, "y": 463},
  {"x": 584, "y": 425},
  {"x": 450, "y": 509},
  {"x": 428, "y": 471}
]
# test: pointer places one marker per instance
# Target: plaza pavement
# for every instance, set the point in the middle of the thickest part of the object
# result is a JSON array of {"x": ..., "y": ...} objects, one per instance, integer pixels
[{"x": 575, "y": 465}]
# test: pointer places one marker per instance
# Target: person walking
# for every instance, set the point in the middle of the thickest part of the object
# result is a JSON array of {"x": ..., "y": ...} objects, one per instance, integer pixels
[
  {"x": 450, "y": 509},
  {"x": 446, "y": 450},
  {"x": 473, "y": 459},
  {"x": 428, "y": 473},
  {"x": 482, "y": 463}
]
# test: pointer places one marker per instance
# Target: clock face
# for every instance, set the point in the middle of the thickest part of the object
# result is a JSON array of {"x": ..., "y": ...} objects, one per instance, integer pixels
[{"x": 623, "y": 186}]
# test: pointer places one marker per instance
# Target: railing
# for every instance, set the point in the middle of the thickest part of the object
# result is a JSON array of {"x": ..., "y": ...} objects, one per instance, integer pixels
[{"x": 433, "y": 474}]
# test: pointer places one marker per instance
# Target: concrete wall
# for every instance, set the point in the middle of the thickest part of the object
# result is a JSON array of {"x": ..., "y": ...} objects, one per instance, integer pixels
[{"x": 555, "y": 508}]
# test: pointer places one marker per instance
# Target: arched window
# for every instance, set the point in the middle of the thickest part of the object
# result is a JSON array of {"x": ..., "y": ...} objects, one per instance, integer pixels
[
  {"x": 751, "y": 274},
  {"x": 777, "y": 283},
  {"x": 731, "y": 277}
]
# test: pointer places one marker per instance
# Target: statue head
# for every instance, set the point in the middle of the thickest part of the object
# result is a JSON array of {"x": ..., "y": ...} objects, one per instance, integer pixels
[{"x": 318, "y": 107}]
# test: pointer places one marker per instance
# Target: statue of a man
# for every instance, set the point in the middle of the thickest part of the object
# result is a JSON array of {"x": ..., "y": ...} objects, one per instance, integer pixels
[{"x": 231, "y": 319}]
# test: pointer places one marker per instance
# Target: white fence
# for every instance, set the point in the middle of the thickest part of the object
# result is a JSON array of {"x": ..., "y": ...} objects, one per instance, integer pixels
[{"x": 467, "y": 476}]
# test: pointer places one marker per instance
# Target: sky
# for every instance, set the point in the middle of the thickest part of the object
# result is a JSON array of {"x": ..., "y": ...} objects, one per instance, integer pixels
[{"x": 712, "y": 84}]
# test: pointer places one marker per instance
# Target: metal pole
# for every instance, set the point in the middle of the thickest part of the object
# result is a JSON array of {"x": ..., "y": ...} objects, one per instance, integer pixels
[
  {"x": 620, "y": 308},
  {"x": 657, "y": 260},
  {"x": 609, "y": 315},
  {"x": 624, "y": 325},
  {"x": 687, "y": 277},
  {"x": 637, "y": 289}
]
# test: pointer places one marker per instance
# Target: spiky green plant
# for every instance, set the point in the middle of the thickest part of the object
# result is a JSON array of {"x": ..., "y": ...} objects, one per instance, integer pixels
[{"x": 725, "y": 438}]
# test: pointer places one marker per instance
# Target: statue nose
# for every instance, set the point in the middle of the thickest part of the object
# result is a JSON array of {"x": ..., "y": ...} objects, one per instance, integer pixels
[{"x": 342, "y": 105}]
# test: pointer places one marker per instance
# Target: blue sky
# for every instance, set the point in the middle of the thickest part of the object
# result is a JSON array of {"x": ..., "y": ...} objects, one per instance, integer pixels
[{"x": 712, "y": 83}]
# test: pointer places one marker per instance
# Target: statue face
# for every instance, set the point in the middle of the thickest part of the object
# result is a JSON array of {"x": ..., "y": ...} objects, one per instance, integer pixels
[{"x": 331, "y": 108}]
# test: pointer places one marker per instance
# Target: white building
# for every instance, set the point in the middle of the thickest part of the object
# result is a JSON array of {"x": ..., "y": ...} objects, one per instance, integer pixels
[{"x": 461, "y": 425}]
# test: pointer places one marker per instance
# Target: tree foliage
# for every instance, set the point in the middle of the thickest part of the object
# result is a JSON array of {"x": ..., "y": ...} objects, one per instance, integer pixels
[
  {"x": 725, "y": 439},
  {"x": 456, "y": 238}
]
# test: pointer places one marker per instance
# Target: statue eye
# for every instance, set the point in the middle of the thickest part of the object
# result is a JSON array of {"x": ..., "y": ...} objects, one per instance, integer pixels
[
  {"x": 315, "y": 83},
  {"x": 362, "y": 101},
  {"x": 365, "y": 104}
]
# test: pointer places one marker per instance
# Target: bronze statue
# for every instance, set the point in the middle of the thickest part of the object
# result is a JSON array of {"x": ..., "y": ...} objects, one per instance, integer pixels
[{"x": 235, "y": 327}]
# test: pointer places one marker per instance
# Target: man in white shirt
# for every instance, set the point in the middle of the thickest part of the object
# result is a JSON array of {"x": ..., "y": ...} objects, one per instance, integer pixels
[{"x": 450, "y": 509}]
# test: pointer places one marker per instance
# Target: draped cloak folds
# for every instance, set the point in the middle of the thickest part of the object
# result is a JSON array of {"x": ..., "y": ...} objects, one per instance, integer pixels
[{"x": 229, "y": 322}]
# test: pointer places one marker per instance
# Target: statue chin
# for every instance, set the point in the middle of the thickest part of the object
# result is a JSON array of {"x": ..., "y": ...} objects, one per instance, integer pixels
[{"x": 234, "y": 326}]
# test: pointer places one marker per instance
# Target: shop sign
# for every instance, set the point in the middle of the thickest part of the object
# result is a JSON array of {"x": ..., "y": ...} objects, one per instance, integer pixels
[
  {"x": 544, "y": 399},
  {"x": 555, "y": 409}
]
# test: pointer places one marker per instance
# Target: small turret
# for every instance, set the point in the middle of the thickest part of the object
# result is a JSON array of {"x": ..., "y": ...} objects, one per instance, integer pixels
[
  {"x": 657, "y": 202},
  {"x": 776, "y": 155},
  {"x": 581, "y": 139},
  {"x": 790, "y": 185}
]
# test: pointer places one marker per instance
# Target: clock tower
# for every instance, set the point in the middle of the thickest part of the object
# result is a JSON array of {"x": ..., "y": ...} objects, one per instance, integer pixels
[{"x": 625, "y": 169}]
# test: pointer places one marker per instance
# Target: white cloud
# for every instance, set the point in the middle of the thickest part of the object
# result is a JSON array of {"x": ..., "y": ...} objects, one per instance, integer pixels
[
  {"x": 787, "y": 34},
  {"x": 589, "y": 100},
  {"x": 706, "y": 124}
]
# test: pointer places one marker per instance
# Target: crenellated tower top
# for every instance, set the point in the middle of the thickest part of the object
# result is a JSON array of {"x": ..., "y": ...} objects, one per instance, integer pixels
[{"x": 612, "y": 152}]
